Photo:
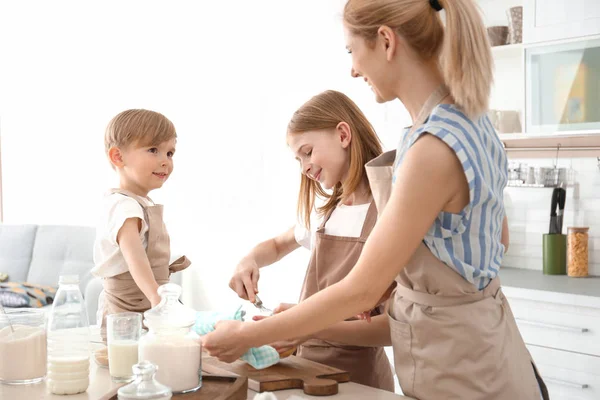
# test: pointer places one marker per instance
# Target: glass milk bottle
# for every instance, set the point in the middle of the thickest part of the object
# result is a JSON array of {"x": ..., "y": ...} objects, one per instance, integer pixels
[
  {"x": 68, "y": 340},
  {"x": 171, "y": 344}
]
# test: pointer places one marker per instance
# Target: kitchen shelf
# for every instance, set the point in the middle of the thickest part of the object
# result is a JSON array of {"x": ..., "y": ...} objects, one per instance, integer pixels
[
  {"x": 526, "y": 185},
  {"x": 568, "y": 144}
]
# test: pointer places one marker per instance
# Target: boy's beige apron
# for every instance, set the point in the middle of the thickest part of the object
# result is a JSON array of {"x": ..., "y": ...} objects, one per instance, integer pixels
[
  {"x": 332, "y": 259},
  {"x": 121, "y": 293},
  {"x": 451, "y": 341}
]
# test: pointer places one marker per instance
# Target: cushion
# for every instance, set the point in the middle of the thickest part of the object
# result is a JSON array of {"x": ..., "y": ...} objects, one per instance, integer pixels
[
  {"x": 62, "y": 250},
  {"x": 3, "y": 277},
  {"x": 16, "y": 245},
  {"x": 24, "y": 294}
]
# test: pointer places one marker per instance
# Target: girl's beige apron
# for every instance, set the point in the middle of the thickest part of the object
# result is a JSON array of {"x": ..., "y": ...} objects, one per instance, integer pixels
[
  {"x": 451, "y": 341},
  {"x": 121, "y": 293},
  {"x": 332, "y": 259}
]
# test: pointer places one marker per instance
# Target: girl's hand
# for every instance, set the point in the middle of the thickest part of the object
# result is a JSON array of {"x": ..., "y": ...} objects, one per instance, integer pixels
[
  {"x": 226, "y": 342},
  {"x": 279, "y": 309},
  {"x": 385, "y": 297},
  {"x": 282, "y": 307},
  {"x": 245, "y": 279}
]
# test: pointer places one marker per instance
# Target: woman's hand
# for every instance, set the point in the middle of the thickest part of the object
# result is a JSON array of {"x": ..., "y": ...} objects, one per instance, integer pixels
[
  {"x": 245, "y": 279},
  {"x": 226, "y": 342},
  {"x": 284, "y": 346}
]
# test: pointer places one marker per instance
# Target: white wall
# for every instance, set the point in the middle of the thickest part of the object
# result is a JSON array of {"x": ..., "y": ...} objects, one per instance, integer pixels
[{"x": 228, "y": 74}]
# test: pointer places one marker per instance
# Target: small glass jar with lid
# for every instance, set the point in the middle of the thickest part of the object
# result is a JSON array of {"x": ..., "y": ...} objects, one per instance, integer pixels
[
  {"x": 144, "y": 386},
  {"x": 577, "y": 251},
  {"x": 171, "y": 344}
]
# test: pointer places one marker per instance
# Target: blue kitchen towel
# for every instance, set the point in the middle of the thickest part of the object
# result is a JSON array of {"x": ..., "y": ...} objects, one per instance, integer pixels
[{"x": 258, "y": 357}]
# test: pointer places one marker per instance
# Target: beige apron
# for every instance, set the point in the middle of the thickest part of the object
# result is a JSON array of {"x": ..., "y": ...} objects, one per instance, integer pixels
[
  {"x": 452, "y": 341},
  {"x": 332, "y": 259},
  {"x": 121, "y": 293}
]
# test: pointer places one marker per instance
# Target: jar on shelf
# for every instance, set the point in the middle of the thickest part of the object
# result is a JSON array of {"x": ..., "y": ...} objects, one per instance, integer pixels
[
  {"x": 577, "y": 251},
  {"x": 171, "y": 344}
]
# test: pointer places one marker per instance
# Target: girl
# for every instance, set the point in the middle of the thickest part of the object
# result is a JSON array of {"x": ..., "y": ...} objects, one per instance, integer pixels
[
  {"x": 439, "y": 235},
  {"x": 332, "y": 140}
]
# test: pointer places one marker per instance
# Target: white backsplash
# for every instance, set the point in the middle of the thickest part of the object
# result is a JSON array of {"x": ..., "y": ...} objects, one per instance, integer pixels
[{"x": 528, "y": 211}]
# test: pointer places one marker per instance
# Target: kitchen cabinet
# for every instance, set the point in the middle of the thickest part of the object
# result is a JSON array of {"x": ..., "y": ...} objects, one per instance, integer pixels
[
  {"x": 548, "y": 20},
  {"x": 559, "y": 320}
]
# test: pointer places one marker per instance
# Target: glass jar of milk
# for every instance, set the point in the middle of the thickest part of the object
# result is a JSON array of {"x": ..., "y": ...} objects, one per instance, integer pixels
[
  {"x": 171, "y": 344},
  {"x": 23, "y": 346}
]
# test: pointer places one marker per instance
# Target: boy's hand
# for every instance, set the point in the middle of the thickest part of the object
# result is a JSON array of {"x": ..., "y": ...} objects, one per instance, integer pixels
[{"x": 154, "y": 300}]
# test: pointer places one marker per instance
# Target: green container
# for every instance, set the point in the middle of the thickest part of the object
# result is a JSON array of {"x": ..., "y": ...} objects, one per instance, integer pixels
[{"x": 555, "y": 254}]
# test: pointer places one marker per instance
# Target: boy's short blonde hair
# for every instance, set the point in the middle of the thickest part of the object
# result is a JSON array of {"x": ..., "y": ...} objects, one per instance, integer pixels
[{"x": 139, "y": 127}]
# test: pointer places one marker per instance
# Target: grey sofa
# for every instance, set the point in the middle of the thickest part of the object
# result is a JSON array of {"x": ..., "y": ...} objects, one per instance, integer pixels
[{"x": 41, "y": 253}]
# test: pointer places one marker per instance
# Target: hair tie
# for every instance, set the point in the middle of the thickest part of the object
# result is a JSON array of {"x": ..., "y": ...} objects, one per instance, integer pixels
[{"x": 435, "y": 4}]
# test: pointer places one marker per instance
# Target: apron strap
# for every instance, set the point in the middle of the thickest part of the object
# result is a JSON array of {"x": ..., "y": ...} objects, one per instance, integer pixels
[
  {"x": 370, "y": 221},
  {"x": 328, "y": 214},
  {"x": 133, "y": 196},
  {"x": 439, "y": 94},
  {"x": 137, "y": 198}
]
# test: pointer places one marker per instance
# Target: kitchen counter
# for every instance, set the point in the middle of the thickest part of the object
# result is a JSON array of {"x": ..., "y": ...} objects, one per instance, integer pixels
[
  {"x": 537, "y": 286},
  {"x": 102, "y": 388}
]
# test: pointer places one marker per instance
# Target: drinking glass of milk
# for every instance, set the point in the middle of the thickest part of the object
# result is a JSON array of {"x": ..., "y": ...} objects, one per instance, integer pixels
[{"x": 123, "y": 335}]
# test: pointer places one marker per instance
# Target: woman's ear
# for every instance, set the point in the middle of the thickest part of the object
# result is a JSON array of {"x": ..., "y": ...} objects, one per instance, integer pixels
[
  {"x": 116, "y": 157},
  {"x": 344, "y": 134},
  {"x": 389, "y": 40}
]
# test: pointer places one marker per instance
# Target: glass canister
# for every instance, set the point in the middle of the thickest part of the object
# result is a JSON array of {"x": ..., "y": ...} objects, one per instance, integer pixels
[
  {"x": 577, "y": 251},
  {"x": 23, "y": 346},
  {"x": 171, "y": 344}
]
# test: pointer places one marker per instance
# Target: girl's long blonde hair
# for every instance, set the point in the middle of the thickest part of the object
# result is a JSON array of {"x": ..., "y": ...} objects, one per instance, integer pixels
[
  {"x": 324, "y": 112},
  {"x": 462, "y": 48}
]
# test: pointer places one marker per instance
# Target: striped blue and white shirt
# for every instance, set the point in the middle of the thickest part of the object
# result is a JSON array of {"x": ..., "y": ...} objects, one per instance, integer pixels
[{"x": 468, "y": 242}]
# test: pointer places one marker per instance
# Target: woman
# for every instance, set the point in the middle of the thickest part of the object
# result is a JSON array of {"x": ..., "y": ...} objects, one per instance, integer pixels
[{"x": 439, "y": 235}]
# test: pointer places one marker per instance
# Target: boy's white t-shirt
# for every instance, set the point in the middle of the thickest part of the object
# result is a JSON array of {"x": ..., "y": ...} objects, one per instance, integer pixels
[
  {"x": 345, "y": 221},
  {"x": 117, "y": 208}
]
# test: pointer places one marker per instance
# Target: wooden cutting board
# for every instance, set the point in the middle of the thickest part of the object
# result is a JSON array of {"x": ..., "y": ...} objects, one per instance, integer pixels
[
  {"x": 290, "y": 373},
  {"x": 213, "y": 388}
]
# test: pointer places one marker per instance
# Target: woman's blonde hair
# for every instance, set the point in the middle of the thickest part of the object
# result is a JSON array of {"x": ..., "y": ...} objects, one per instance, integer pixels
[
  {"x": 139, "y": 127},
  {"x": 462, "y": 48},
  {"x": 324, "y": 112}
]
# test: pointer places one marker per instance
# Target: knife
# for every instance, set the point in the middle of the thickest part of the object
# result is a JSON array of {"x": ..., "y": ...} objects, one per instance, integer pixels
[
  {"x": 562, "y": 198},
  {"x": 553, "y": 217}
]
